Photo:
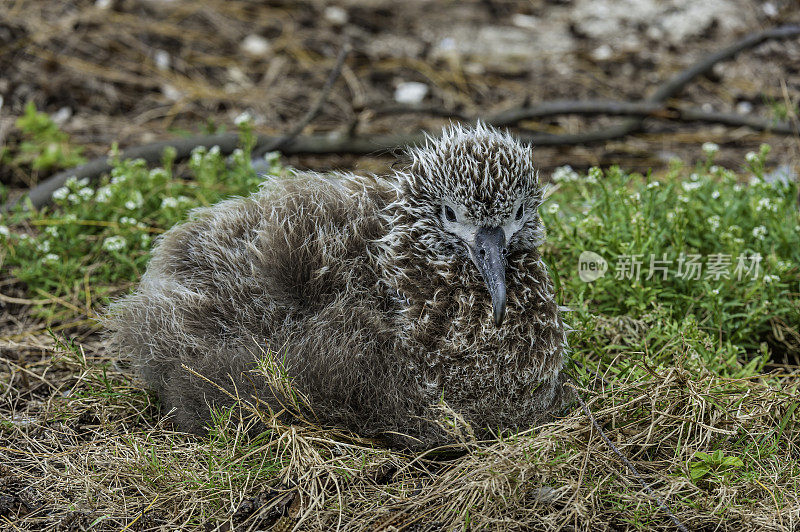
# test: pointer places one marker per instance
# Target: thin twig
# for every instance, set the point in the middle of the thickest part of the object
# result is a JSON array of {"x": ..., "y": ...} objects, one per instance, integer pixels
[
  {"x": 312, "y": 113},
  {"x": 659, "y": 501}
]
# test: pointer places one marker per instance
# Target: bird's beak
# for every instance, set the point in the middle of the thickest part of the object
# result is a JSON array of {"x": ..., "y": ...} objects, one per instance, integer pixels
[{"x": 488, "y": 254}]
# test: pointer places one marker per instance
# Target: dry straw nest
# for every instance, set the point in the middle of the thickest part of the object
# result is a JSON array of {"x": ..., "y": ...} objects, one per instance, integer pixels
[{"x": 93, "y": 449}]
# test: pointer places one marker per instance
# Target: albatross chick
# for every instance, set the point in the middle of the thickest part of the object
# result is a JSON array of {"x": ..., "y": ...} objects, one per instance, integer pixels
[{"x": 379, "y": 298}]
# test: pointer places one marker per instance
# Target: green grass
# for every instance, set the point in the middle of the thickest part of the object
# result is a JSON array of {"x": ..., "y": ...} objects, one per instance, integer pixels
[
  {"x": 96, "y": 236},
  {"x": 686, "y": 398}
]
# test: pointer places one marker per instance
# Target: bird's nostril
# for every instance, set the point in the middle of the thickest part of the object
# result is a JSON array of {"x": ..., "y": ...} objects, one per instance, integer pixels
[
  {"x": 482, "y": 253},
  {"x": 504, "y": 251}
]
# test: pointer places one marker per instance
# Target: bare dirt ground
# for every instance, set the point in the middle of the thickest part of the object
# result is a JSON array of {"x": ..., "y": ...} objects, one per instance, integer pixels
[{"x": 137, "y": 71}]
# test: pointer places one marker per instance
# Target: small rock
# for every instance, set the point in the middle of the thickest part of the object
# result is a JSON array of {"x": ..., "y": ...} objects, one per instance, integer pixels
[
  {"x": 525, "y": 21},
  {"x": 744, "y": 108},
  {"x": 255, "y": 45},
  {"x": 410, "y": 92},
  {"x": 336, "y": 15},
  {"x": 707, "y": 108},
  {"x": 770, "y": 10},
  {"x": 602, "y": 53},
  {"x": 61, "y": 116},
  {"x": 655, "y": 33},
  {"x": 103, "y": 4},
  {"x": 171, "y": 93},
  {"x": 782, "y": 174},
  {"x": 475, "y": 68},
  {"x": 162, "y": 59}
]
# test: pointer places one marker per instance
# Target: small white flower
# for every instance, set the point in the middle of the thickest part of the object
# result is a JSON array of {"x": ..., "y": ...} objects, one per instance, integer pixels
[
  {"x": 169, "y": 203},
  {"x": 553, "y": 208},
  {"x": 83, "y": 181},
  {"x": 710, "y": 148},
  {"x": 751, "y": 157},
  {"x": 760, "y": 232},
  {"x": 715, "y": 194},
  {"x": 184, "y": 200},
  {"x": 157, "y": 173},
  {"x": 715, "y": 291},
  {"x": 127, "y": 220},
  {"x": 145, "y": 238},
  {"x": 594, "y": 175},
  {"x": 688, "y": 187},
  {"x": 683, "y": 198},
  {"x": 695, "y": 177},
  {"x": 653, "y": 184},
  {"x": 135, "y": 202},
  {"x": 714, "y": 221},
  {"x": 103, "y": 194},
  {"x": 51, "y": 257},
  {"x": 636, "y": 196},
  {"x": 243, "y": 119},
  {"x": 4, "y": 231},
  {"x": 766, "y": 204},
  {"x": 771, "y": 278},
  {"x": 43, "y": 246},
  {"x": 74, "y": 199},
  {"x": 737, "y": 187},
  {"x": 754, "y": 181},
  {"x": 60, "y": 193},
  {"x": 670, "y": 216},
  {"x": 86, "y": 193},
  {"x": 114, "y": 243},
  {"x": 214, "y": 150},
  {"x": 714, "y": 169},
  {"x": 564, "y": 173},
  {"x": 71, "y": 182},
  {"x": 52, "y": 231},
  {"x": 118, "y": 179}
]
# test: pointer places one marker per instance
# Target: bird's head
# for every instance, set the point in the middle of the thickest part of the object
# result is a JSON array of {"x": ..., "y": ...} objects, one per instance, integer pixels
[{"x": 473, "y": 194}]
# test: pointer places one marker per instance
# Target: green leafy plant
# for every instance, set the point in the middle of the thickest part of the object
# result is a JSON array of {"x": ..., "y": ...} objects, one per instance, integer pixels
[
  {"x": 716, "y": 465},
  {"x": 704, "y": 249},
  {"x": 44, "y": 146},
  {"x": 95, "y": 237}
]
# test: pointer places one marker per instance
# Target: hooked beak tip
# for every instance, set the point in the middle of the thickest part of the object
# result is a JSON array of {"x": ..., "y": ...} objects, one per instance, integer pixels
[{"x": 499, "y": 314}]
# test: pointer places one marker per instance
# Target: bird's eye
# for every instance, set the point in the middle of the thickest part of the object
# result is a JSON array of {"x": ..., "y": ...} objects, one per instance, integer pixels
[
  {"x": 520, "y": 212},
  {"x": 449, "y": 214}
]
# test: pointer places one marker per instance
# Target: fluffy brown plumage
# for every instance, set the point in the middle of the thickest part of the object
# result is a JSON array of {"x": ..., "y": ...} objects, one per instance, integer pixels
[{"x": 382, "y": 296}]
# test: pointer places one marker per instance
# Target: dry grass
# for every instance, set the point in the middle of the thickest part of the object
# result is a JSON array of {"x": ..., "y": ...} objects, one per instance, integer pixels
[{"x": 85, "y": 448}]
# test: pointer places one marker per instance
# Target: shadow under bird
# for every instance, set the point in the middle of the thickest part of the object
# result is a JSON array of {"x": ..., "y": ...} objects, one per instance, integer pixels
[{"x": 380, "y": 298}]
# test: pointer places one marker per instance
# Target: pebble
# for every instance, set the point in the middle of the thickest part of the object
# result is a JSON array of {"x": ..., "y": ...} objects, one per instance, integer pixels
[
  {"x": 162, "y": 59},
  {"x": 336, "y": 15},
  {"x": 410, "y": 92},
  {"x": 744, "y": 108},
  {"x": 255, "y": 45},
  {"x": 602, "y": 52}
]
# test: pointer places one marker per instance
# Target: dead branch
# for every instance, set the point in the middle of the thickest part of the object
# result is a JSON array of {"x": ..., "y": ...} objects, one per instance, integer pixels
[
  {"x": 313, "y": 111},
  {"x": 293, "y": 143}
]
